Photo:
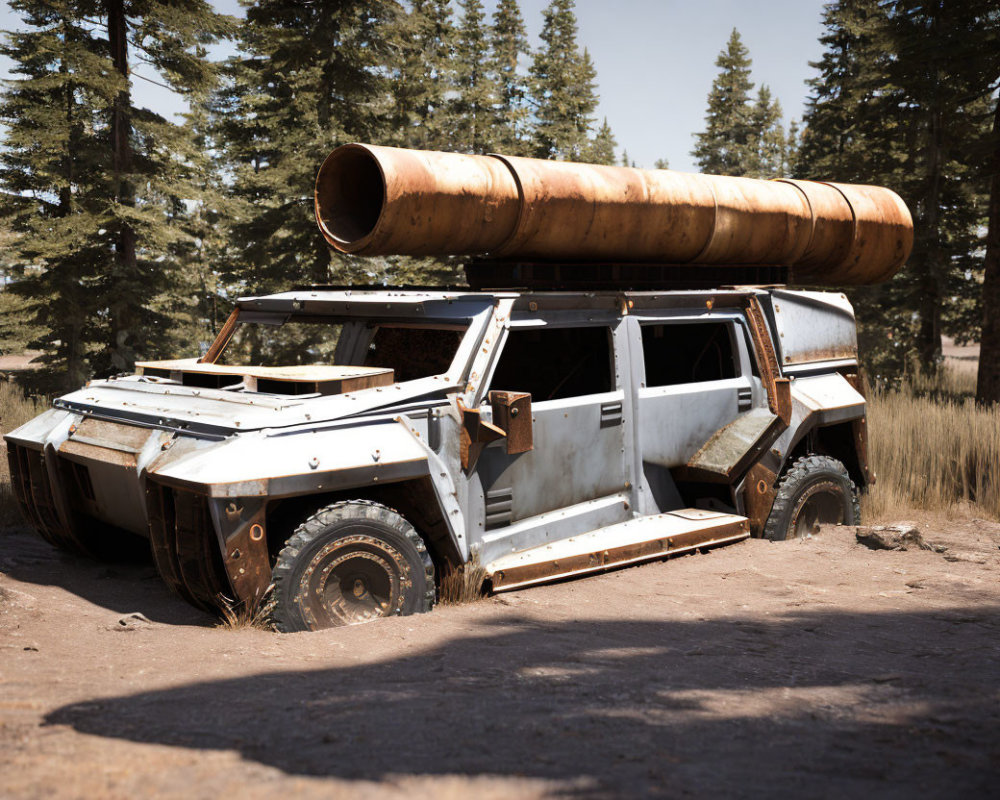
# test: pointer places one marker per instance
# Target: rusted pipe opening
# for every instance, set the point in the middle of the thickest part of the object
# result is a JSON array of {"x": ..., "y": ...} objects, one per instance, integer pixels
[{"x": 350, "y": 195}]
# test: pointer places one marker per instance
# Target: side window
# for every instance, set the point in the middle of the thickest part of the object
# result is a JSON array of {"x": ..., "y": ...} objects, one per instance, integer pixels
[
  {"x": 553, "y": 363},
  {"x": 688, "y": 353}
]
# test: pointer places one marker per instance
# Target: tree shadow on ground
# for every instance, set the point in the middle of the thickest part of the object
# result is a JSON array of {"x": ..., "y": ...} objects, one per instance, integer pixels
[
  {"x": 812, "y": 704},
  {"x": 123, "y": 586}
]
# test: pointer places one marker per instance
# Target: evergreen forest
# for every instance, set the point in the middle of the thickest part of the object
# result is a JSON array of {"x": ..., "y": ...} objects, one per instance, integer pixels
[{"x": 127, "y": 233}]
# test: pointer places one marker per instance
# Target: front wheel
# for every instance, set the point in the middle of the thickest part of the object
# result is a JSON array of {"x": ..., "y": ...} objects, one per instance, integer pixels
[
  {"x": 816, "y": 490},
  {"x": 350, "y": 562}
]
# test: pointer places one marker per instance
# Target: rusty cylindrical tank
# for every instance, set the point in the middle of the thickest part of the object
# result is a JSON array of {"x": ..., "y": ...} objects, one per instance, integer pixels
[{"x": 373, "y": 200}]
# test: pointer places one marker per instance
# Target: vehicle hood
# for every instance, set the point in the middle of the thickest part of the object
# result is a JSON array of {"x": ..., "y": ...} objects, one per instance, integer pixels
[{"x": 220, "y": 413}]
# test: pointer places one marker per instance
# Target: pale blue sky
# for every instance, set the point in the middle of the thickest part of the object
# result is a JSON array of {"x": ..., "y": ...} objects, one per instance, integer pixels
[{"x": 655, "y": 62}]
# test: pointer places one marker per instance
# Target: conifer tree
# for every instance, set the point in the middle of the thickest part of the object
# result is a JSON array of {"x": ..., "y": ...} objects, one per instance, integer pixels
[
  {"x": 424, "y": 76},
  {"x": 895, "y": 103},
  {"x": 476, "y": 92},
  {"x": 508, "y": 44},
  {"x": 661, "y": 163},
  {"x": 790, "y": 156},
  {"x": 766, "y": 155},
  {"x": 727, "y": 146},
  {"x": 602, "y": 148},
  {"x": 100, "y": 183},
  {"x": 153, "y": 162},
  {"x": 563, "y": 87},
  {"x": 308, "y": 77},
  {"x": 53, "y": 181}
]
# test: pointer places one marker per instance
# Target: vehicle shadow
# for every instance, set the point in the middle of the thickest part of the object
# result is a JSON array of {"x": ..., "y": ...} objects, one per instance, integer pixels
[
  {"x": 124, "y": 586},
  {"x": 820, "y": 704}
]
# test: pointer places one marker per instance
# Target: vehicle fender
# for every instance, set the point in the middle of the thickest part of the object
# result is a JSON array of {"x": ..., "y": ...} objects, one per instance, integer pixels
[
  {"x": 277, "y": 464},
  {"x": 817, "y": 401}
]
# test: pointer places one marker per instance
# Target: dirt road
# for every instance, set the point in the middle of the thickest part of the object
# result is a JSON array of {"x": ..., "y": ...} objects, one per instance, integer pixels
[{"x": 815, "y": 668}]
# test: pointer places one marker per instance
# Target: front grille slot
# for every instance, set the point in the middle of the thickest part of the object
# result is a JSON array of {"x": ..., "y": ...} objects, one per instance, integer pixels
[
  {"x": 185, "y": 547},
  {"x": 81, "y": 477},
  {"x": 33, "y": 491}
]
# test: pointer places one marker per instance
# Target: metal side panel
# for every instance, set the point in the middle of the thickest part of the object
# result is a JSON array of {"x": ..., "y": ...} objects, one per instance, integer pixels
[
  {"x": 813, "y": 327},
  {"x": 629, "y": 542}
]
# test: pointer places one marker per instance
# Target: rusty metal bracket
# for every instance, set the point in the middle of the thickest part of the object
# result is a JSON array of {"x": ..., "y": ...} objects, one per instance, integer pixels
[
  {"x": 475, "y": 435},
  {"x": 225, "y": 334},
  {"x": 779, "y": 397}
]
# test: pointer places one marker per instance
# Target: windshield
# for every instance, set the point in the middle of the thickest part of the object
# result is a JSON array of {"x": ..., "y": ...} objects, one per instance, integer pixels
[{"x": 411, "y": 349}]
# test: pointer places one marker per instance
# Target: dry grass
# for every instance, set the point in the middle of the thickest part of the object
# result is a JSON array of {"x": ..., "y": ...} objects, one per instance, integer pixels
[
  {"x": 932, "y": 448},
  {"x": 236, "y": 616},
  {"x": 463, "y": 584},
  {"x": 15, "y": 410}
]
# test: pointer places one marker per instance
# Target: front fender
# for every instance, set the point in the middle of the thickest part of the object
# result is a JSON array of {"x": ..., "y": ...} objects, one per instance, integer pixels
[{"x": 286, "y": 464}]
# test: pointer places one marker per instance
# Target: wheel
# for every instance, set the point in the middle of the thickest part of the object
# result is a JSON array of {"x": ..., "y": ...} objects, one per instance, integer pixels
[
  {"x": 350, "y": 562},
  {"x": 816, "y": 490}
]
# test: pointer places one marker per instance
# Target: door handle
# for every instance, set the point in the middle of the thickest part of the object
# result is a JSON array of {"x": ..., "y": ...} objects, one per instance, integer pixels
[{"x": 611, "y": 414}]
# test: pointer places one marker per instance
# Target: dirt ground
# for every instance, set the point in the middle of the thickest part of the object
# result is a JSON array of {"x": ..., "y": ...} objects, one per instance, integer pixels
[{"x": 814, "y": 668}]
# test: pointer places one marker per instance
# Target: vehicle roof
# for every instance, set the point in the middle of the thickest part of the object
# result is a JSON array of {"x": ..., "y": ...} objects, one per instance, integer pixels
[{"x": 340, "y": 298}]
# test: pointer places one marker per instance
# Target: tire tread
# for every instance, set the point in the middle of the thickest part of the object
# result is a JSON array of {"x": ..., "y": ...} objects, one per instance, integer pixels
[{"x": 801, "y": 470}]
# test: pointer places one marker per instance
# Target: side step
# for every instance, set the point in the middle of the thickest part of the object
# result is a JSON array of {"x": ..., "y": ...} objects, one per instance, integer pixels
[{"x": 641, "y": 539}]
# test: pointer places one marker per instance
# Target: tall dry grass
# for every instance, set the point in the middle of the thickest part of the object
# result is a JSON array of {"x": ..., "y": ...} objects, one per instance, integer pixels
[
  {"x": 932, "y": 448},
  {"x": 15, "y": 410}
]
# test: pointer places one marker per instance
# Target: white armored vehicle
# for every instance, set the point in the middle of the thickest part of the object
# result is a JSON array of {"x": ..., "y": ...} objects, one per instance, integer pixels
[{"x": 340, "y": 450}]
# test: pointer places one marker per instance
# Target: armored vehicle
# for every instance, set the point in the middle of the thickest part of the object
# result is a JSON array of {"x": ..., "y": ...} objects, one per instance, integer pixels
[{"x": 338, "y": 450}]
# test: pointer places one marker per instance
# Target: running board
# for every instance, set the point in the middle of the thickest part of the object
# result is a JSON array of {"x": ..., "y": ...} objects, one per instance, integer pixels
[{"x": 641, "y": 539}]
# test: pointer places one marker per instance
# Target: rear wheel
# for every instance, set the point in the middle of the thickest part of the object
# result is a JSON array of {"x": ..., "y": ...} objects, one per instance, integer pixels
[
  {"x": 349, "y": 563},
  {"x": 816, "y": 490}
]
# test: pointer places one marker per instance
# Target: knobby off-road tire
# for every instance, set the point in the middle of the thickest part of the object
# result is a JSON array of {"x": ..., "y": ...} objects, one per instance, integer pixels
[
  {"x": 815, "y": 490},
  {"x": 350, "y": 562}
]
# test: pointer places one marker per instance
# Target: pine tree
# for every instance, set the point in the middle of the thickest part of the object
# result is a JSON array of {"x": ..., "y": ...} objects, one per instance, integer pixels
[
  {"x": 476, "y": 90},
  {"x": 942, "y": 113},
  {"x": 563, "y": 87},
  {"x": 424, "y": 76},
  {"x": 100, "y": 183},
  {"x": 308, "y": 77},
  {"x": 153, "y": 163},
  {"x": 843, "y": 140},
  {"x": 895, "y": 104},
  {"x": 727, "y": 146},
  {"x": 54, "y": 181},
  {"x": 790, "y": 155},
  {"x": 766, "y": 154},
  {"x": 602, "y": 148},
  {"x": 508, "y": 44},
  {"x": 661, "y": 163}
]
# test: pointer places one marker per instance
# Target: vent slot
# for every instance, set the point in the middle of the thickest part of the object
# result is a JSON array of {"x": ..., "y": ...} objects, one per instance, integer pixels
[{"x": 499, "y": 508}]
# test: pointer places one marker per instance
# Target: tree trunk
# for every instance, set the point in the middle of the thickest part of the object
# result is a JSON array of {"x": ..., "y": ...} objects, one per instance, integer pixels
[
  {"x": 929, "y": 303},
  {"x": 125, "y": 279},
  {"x": 988, "y": 386}
]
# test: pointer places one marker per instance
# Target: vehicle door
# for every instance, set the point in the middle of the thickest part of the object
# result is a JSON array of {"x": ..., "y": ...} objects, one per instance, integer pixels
[
  {"x": 697, "y": 378},
  {"x": 570, "y": 368}
]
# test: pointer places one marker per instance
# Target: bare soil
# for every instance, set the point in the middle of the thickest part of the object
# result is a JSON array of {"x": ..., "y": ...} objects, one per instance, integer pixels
[
  {"x": 20, "y": 361},
  {"x": 813, "y": 668}
]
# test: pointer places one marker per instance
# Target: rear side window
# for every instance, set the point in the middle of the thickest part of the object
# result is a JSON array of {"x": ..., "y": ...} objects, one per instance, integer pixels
[
  {"x": 553, "y": 363},
  {"x": 687, "y": 353}
]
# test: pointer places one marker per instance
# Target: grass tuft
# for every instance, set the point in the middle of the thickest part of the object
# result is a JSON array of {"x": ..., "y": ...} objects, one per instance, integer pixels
[
  {"x": 463, "y": 584},
  {"x": 235, "y": 616}
]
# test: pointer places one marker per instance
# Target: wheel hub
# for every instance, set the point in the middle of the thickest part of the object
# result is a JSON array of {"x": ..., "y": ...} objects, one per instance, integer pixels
[
  {"x": 352, "y": 580},
  {"x": 820, "y": 504}
]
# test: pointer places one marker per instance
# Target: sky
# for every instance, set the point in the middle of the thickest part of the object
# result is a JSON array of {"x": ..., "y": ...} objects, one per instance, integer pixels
[{"x": 655, "y": 62}]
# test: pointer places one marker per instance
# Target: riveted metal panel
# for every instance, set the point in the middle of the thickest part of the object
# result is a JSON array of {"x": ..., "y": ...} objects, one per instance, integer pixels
[{"x": 813, "y": 327}]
